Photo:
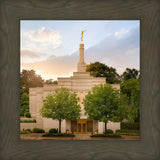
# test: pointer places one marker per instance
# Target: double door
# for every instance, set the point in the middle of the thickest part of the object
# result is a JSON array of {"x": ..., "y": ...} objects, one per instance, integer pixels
[{"x": 82, "y": 126}]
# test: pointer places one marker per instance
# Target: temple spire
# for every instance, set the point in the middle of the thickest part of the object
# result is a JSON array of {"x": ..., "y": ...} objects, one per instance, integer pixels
[{"x": 81, "y": 64}]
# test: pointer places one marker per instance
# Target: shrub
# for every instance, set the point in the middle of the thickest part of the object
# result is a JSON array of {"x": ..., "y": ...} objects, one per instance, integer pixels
[
  {"x": 130, "y": 126},
  {"x": 21, "y": 113},
  {"x": 29, "y": 130},
  {"x": 106, "y": 135},
  {"x": 38, "y": 130},
  {"x": 118, "y": 131},
  {"x": 25, "y": 132},
  {"x": 58, "y": 135},
  {"x": 27, "y": 114},
  {"x": 53, "y": 130},
  {"x": 28, "y": 121},
  {"x": 109, "y": 131}
]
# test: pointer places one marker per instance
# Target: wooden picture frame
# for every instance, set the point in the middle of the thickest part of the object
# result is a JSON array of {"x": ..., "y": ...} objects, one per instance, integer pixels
[{"x": 148, "y": 147}]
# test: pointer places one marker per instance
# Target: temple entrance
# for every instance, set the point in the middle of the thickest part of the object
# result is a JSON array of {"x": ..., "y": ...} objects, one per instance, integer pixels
[{"x": 82, "y": 126}]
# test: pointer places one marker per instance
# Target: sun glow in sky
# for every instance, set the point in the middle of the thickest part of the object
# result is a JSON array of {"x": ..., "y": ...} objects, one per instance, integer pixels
[{"x": 51, "y": 47}]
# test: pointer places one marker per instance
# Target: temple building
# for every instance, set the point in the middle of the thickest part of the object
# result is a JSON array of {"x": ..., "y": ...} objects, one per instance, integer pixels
[{"x": 81, "y": 82}]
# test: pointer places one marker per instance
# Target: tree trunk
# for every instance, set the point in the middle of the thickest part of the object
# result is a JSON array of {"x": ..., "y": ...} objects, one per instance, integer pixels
[
  {"x": 59, "y": 125},
  {"x": 105, "y": 127}
]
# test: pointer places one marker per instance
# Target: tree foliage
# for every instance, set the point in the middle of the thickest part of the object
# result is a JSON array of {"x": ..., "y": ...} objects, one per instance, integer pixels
[
  {"x": 98, "y": 69},
  {"x": 60, "y": 105},
  {"x": 24, "y": 104},
  {"x": 130, "y": 74},
  {"x": 104, "y": 104},
  {"x": 29, "y": 79},
  {"x": 51, "y": 81},
  {"x": 131, "y": 89}
]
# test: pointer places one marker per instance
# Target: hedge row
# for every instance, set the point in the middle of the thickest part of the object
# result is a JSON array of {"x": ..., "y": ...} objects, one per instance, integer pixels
[
  {"x": 109, "y": 131},
  {"x": 28, "y": 121},
  {"x": 53, "y": 130},
  {"x": 127, "y": 131},
  {"x": 35, "y": 130},
  {"x": 38, "y": 130},
  {"x": 58, "y": 135},
  {"x": 130, "y": 126}
]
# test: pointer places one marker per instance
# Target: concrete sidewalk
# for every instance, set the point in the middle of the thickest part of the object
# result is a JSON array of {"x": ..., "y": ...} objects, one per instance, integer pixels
[{"x": 38, "y": 136}]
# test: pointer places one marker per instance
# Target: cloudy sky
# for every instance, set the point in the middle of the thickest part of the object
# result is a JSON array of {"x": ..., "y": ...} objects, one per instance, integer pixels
[{"x": 51, "y": 48}]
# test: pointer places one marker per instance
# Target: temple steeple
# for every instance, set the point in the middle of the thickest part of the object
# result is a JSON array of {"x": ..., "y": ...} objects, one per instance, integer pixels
[{"x": 81, "y": 64}]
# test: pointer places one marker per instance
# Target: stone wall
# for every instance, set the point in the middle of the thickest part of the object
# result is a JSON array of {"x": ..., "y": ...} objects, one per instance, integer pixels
[
  {"x": 24, "y": 126},
  {"x": 110, "y": 125},
  {"x": 68, "y": 125},
  {"x": 113, "y": 126},
  {"x": 49, "y": 123}
]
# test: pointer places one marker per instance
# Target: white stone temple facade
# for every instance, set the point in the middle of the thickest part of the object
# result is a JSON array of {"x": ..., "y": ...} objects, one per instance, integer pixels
[{"x": 81, "y": 82}]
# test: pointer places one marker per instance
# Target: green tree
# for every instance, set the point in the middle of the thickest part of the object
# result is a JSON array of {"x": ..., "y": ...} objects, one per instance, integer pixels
[
  {"x": 60, "y": 105},
  {"x": 131, "y": 89},
  {"x": 98, "y": 69},
  {"x": 130, "y": 74},
  {"x": 28, "y": 79},
  {"x": 51, "y": 81},
  {"x": 104, "y": 104},
  {"x": 24, "y": 104}
]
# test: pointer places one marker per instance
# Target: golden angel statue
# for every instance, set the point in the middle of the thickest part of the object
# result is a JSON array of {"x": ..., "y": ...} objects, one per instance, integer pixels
[{"x": 82, "y": 35}]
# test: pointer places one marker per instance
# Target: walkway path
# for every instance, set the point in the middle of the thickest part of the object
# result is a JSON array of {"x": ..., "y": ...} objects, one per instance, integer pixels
[{"x": 38, "y": 136}]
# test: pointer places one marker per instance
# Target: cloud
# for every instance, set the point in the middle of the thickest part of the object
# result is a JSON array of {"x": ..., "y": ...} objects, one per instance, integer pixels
[
  {"x": 119, "y": 50},
  {"x": 58, "y": 66},
  {"x": 28, "y": 56},
  {"x": 28, "y": 53},
  {"x": 120, "y": 34},
  {"x": 42, "y": 40}
]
